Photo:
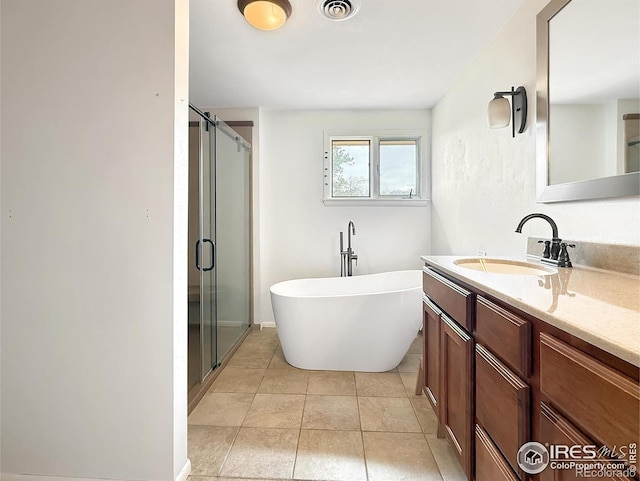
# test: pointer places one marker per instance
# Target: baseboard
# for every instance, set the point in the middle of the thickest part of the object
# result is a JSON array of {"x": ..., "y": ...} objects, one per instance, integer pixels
[
  {"x": 43, "y": 477},
  {"x": 182, "y": 476},
  {"x": 185, "y": 471},
  {"x": 269, "y": 324}
]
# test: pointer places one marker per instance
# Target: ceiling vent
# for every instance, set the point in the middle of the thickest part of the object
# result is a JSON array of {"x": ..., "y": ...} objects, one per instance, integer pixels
[{"x": 337, "y": 10}]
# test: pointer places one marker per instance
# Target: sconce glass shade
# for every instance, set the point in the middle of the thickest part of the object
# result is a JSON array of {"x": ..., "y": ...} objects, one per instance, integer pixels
[
  {"x": 499, "y": 113},
  {"x": 265, "y": 14}
]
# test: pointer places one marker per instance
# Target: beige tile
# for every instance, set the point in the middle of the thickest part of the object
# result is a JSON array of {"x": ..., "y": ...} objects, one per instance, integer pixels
[
  {"x": 332, "y": 382},
  {"x": 264, "y": 339},
  {"x": 386, "y": 384},
  {"x": 251, "y": 357},
  {"x": 284, "y": 381},
  {"x": 262, "y": 453},
  {"x": 275, "y": 411},
  {"x": 224, "y": 478},
  {"x": 409, "y": 363},
  {"x": 279, "y": 362},
  {"x": 426, "y": 417},
  {"x": 448, "y": 464},
  {"x": 217, "y": 478},
  {"x": 387, "y": 414},
  {"x": 266, "y": 332},
  {"x": 409, "y": 382},
  {"x": 331, "y": 412},
  {"x": 221, "y": 409},
  {"x": 238, "y": 379},
  {"x": 208, "y": 447},
  {"x": 399, "y": 456},
  {"x": 330, "y": 455},
  {"x": 417, "y": 345}
]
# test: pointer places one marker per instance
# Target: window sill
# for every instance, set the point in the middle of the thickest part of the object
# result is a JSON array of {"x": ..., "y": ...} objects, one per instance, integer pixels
[{"x": 377, "y": 202}]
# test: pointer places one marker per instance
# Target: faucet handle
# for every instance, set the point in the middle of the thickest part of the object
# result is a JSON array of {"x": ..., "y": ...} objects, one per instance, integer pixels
[
  {"x": 563, "y": 257},
  {"x": 547, "y": 253}
]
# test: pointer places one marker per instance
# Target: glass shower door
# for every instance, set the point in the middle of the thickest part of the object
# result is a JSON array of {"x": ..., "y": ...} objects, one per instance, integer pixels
[
  {"x": 232, "y": 237},
  {"x": 205, "y": 249}
]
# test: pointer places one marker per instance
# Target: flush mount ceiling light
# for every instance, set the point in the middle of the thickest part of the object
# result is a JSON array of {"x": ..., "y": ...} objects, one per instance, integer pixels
[
  {"x": 337, "y": 10},
  {"x": 500, "y": 112},
  {"x": 265, "y": 14}
]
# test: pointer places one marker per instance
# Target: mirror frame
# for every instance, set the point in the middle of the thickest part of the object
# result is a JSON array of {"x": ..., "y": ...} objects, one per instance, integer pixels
[{"x": 605, "y": 187}]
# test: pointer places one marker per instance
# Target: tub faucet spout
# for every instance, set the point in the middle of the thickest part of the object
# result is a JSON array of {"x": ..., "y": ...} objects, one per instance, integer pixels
[{"x": 351, "y": 255}]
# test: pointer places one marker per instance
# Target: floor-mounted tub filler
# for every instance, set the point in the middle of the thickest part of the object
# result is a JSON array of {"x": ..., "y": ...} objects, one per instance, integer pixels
[{"x": 360, "y": 323}]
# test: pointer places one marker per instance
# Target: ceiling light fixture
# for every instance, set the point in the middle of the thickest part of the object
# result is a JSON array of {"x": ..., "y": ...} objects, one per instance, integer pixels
[
  {"x": 500, "y": 113},
  {"x": 265, "y": 14}
]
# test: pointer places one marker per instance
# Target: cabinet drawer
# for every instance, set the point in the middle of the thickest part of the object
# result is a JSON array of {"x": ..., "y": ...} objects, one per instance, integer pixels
[
  {"x": 508, "y": 336},
  {"x": 502, "y": 405},
  {"x": 602, "y": 402},
  {"x": 490, "y": 465},
  {"x": 453, "y": 299},
  {"x": 556, "y": 430}
]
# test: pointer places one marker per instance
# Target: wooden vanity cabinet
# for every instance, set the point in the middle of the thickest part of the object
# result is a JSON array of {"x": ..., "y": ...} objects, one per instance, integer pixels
[{"x": 499, "y": 378}]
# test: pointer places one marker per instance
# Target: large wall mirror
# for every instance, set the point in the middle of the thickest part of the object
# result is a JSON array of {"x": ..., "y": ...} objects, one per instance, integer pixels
[{"x": 588, "y": 99}]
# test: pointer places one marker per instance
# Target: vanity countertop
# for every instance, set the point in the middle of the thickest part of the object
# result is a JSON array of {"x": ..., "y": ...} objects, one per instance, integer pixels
[{"x": 600, "y": 307}]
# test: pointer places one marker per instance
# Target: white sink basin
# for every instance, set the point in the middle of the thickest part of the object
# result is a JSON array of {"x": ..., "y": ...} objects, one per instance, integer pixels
[{"x": 505, "y": 266}]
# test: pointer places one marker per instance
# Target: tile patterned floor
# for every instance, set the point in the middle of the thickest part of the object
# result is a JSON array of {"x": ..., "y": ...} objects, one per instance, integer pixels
[{"x": 265, "y": 420}]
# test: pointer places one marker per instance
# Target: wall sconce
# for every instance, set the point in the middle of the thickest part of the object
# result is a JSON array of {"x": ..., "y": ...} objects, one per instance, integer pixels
[
  {"x": 500, "y": 113},
  {"x": 265, "y": 14}
]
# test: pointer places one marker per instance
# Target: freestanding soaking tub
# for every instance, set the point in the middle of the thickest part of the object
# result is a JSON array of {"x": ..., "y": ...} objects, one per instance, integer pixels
[{"x": 361, "y": 323}]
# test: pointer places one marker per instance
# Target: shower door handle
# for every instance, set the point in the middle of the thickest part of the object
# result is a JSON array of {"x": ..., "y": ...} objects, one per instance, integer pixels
[
  {"x": 213, "y": 254},
  {"x": 198, "y": 254}
]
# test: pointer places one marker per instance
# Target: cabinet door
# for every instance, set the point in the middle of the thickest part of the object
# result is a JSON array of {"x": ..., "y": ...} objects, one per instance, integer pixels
[
  {"x": 502, "y": 405},
  {"x": 431, "y": 336},
  {"x": 555, "y": 429},
  {"x": 456, "y": 372}
]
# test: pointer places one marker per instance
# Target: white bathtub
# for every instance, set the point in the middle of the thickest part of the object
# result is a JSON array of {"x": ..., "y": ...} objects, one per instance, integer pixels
[{"x": 360, "y": 323}]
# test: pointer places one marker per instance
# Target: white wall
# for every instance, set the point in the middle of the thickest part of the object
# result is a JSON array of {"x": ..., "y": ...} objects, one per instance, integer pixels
[
  {"x": 484, "y": 181},
  {"x": 94, "y": 223},
  {"x": 299, "y": 234}
]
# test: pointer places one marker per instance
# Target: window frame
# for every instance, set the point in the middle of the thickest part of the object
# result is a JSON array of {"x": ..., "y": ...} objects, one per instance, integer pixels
[{"x": 419, "y": 198}]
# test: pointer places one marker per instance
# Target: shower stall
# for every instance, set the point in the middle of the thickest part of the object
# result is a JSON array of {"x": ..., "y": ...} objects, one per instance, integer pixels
[{"x": 219, "y": 246}]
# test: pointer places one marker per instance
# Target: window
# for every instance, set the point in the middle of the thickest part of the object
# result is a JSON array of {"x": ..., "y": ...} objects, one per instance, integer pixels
[{"x": 372, "y": 169}]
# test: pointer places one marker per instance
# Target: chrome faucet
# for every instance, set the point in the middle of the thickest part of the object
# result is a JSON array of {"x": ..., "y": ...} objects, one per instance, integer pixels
[
  {"x": 351, "y": 229},
  {"x": 348, "y": 256},
  {"x": 557, "y": 254}
]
